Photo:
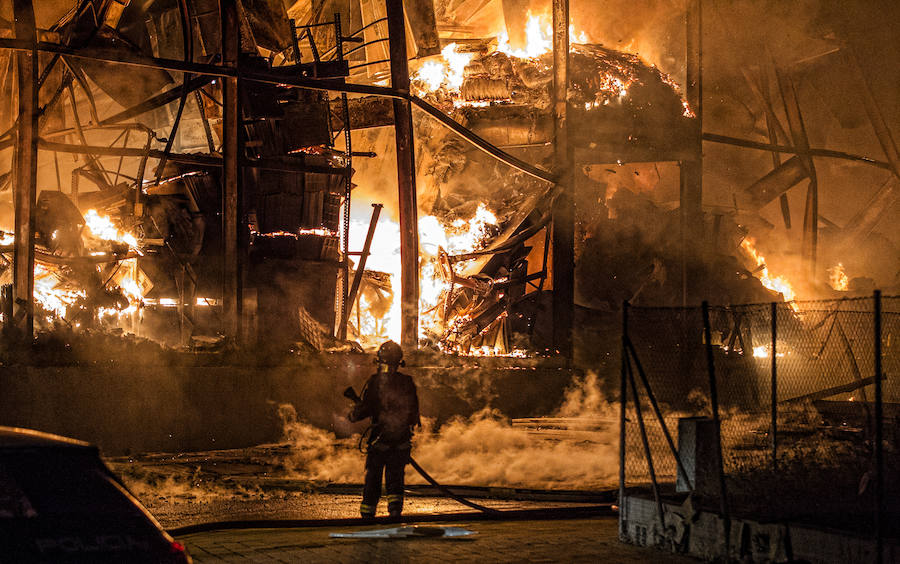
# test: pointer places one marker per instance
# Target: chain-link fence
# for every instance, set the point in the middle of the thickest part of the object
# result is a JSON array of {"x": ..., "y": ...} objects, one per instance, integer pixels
[{"x": 789, "y": 409}]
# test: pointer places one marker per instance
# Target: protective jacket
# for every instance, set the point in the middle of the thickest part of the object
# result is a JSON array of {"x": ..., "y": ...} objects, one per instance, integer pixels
[{"x": 390, "y": 399}]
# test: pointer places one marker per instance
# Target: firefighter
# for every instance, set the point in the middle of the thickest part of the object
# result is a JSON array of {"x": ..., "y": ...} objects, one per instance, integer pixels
[{"x": 389, "y": 398}]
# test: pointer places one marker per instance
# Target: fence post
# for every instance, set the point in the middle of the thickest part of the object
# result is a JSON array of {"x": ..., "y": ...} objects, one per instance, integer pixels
[
  {"x": 714, "y": 403},
  {"x": 623, "y": 399},
  {"x": 879, "y": 429},
  {"x": 656, "y": 410},
  {"x": 647, "y": 452},
  {"x": 774, "y": 430}
]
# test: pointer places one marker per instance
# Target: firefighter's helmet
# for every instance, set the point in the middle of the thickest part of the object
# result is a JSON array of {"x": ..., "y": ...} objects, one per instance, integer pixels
[{"x": 390, "y": 353}]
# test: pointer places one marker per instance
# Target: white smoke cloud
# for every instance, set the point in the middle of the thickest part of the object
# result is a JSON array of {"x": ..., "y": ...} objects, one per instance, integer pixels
[{"x": 482, "y": 450}]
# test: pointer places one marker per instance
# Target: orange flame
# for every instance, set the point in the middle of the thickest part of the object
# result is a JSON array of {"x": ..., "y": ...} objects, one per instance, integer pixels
[
  {"x": 460, "y": 236},
  {"x": 775, "y": 283},
  {"x": 837, "y": 278}
]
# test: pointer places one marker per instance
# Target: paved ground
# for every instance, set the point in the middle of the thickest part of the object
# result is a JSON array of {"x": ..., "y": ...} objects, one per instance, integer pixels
[
  {"x": 247, "y": 484},
  {"x": 582, "y": 540},
  {"x": 250, "y": 484}
]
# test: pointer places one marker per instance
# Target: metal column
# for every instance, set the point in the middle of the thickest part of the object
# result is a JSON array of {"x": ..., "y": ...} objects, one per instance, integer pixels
[
  {"x": 25, "y": 169},
  {"x": 231, "y": 174},
  {"x": 564, "y": 205},
  {"x": 406, "y": 179},
  {"x": 691, "y": 196}
]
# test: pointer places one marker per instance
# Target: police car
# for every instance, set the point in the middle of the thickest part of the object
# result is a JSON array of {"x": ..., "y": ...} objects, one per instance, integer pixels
[{"x": 59, "y": 503}]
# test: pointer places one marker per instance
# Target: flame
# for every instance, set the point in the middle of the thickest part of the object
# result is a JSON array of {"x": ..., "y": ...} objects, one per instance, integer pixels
[
  {"x": 539, "y": 39},
  {"x": 432, "y": 73},
  {"x": 458, "y": 237},
  {"x": 103, "y": 228},
  {"x": 449, "y": 72},
  {"x": 127, "y": 274},
  {"x": 577, "y": 37},
  {"x": 446, "y": 73},
  {"x": 50, "y": 294},
  {"x": 56, "y": 297},
  {"x": 377, "y": 321},
  {"x": 837, "y": 278},
  {"x": 456, "y": 62},
  {"x": 775, "y": 283}
]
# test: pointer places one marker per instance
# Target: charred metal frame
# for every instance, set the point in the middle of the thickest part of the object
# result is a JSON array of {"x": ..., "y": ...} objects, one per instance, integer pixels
[
  {"x": 25, "y": 169},
  {"x": 231, "y": 177},
  {"x": 360, "y": 268},
  {"x": 563, "y": 235},
  {"x": 406, "y": 179},
  {"x": 27, "y": 142}
]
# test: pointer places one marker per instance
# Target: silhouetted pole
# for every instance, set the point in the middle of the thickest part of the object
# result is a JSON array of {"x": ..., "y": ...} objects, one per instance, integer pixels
[
  {"x": 231, "y": 173},
  {"x": 564, "y": 205},
  {"x": 691, "y": 195},
  {"x": 774, "y": 390},
  {"x": 879, "y": 435},
  {"x": 406, "y": 179},
  {"x": 25, "y": 169}
]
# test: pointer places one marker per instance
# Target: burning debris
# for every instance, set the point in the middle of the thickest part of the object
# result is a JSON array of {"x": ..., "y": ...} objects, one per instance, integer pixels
[
  {"x": 85, "y": 268},
  {"x": 144, "y": 235}
]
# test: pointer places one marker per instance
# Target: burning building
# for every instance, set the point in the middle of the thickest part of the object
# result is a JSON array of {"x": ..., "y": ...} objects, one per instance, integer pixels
[{"x": 193, "y": 171}]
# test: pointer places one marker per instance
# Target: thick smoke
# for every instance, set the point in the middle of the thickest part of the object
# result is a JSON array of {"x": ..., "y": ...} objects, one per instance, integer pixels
[{"x": 484, "y": 449}]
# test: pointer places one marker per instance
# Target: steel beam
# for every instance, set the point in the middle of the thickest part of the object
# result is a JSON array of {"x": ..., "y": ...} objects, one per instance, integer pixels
[
  {"x": 737, "y": 142},
  {"x": 361, "y": 267},
  {"x": 268, "y": 77},
  {"x": 797, "y": 129},
  {"x": 564, "y": 205},
  {"x": 773, "y": 185},
  {"x": 25, "y": 170},
  {"x": 231, "y": 174},
  {"x": 876, "y": 117},
  {"x": 406, "y": 179}
]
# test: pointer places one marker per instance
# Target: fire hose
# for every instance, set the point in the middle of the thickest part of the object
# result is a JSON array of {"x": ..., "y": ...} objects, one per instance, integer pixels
[{"x": 351, "y": 394}]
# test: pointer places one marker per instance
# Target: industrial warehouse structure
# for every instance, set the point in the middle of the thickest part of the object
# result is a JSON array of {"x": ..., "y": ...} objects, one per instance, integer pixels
[{"x": 254, "y": 193}]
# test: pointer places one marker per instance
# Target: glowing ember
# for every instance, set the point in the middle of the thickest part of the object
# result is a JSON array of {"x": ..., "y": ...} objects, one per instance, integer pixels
[
  {"x": 494, "y": 351},
  {"x": 837, "y": 278},
  {"x": 775, "y": 283},
  {"x": 318, "y": 231},
  {"x": 765, "y": 351}
]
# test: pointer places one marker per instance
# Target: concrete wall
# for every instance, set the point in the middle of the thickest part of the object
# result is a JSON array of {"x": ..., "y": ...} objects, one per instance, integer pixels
[
  {"x": 142, "y": 407},
  {"x": 702, "y": 534}
]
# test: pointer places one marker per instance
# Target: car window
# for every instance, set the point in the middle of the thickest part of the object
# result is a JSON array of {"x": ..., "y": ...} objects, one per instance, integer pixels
[{"x": 59, "y": 484}]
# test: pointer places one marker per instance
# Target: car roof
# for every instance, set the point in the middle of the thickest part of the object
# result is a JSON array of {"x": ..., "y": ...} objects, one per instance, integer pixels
[{"x": 18, "y": 437}]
